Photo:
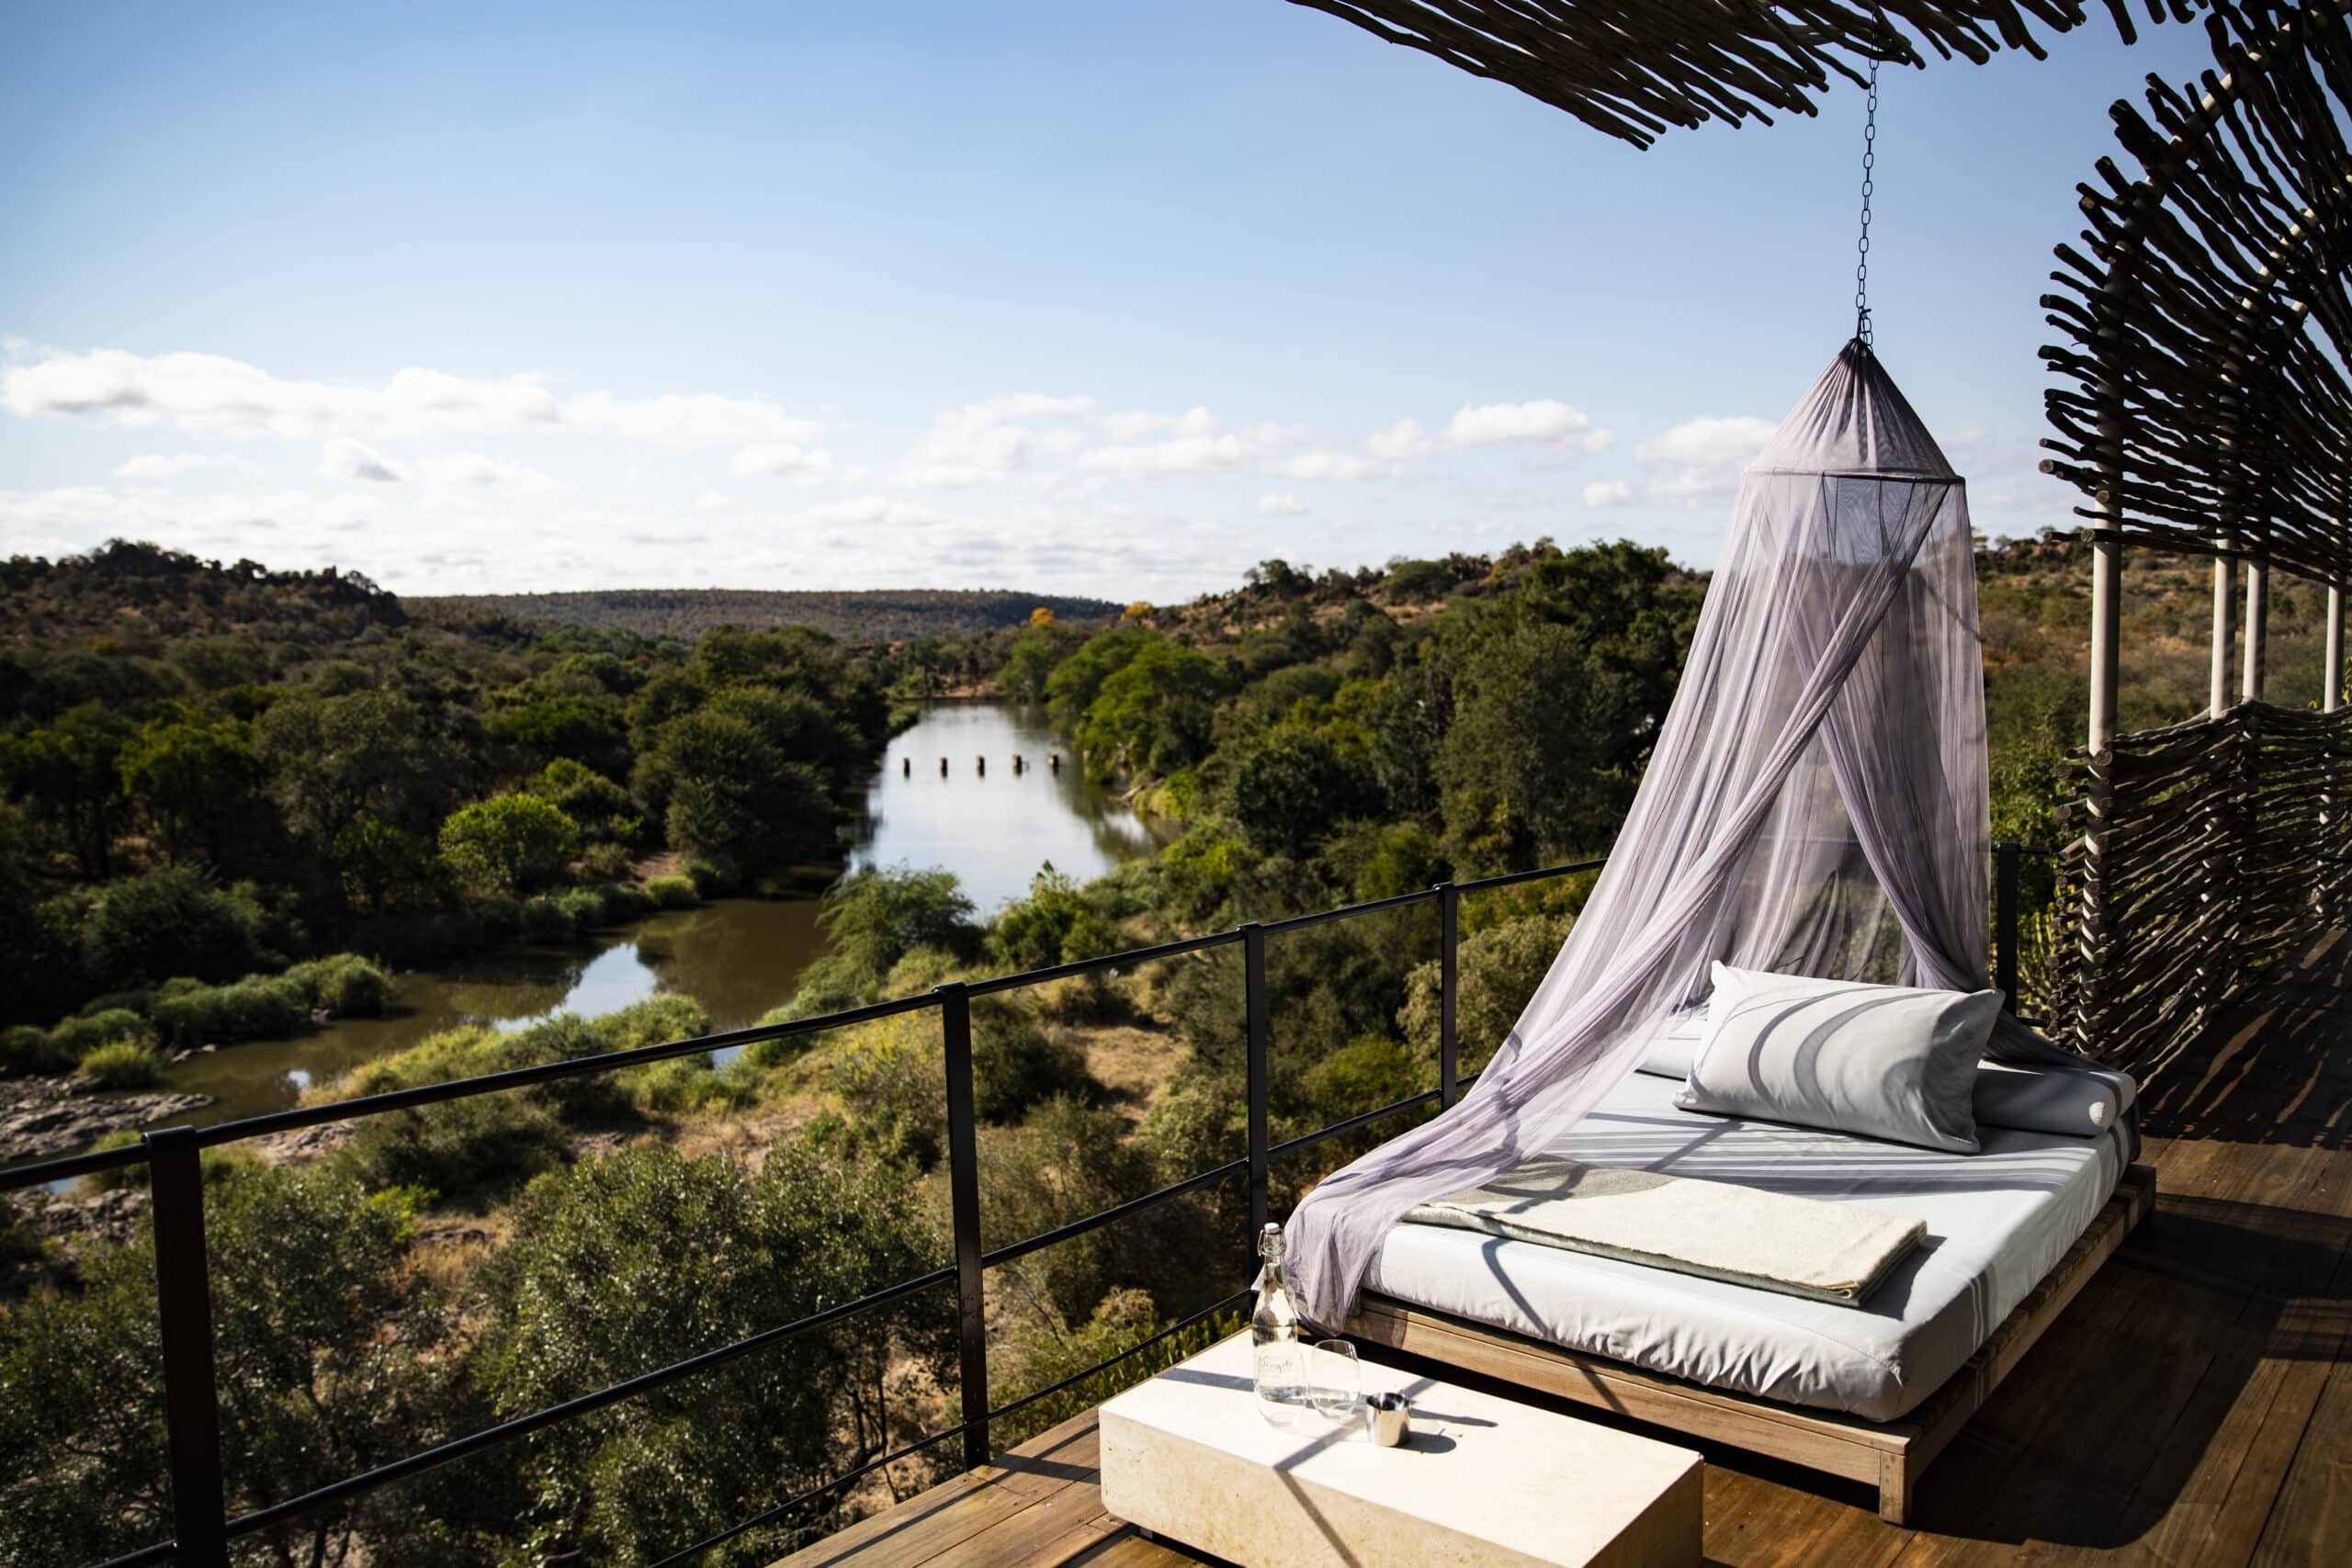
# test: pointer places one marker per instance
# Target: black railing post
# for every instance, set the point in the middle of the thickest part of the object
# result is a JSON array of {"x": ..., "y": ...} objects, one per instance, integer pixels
[
  {"x": 1261, "y": 1031},
  {"x": 1449, "y": 913},
  {"x": 964, "y": 1206},
  {"x": 2005, "y": 924},
  {"x": 184, "y": 1305}
]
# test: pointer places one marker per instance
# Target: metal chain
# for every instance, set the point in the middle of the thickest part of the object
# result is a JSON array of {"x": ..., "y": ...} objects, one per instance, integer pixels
[{"x": 1862, "y": 247}]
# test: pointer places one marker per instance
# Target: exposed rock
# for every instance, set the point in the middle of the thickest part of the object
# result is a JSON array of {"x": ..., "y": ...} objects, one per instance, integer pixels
[
  {"x": 44, "y": 1116},
  {"x": 303, "y": 1144},
  {"x": 109, "y": 1216}
]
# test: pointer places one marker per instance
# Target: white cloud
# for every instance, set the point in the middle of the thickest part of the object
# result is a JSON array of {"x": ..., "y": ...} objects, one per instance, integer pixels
[
  {"x": 1281, "y": 505},
  {"x": 1401, "y": 440},
  {"x": 471, "y": 470},
  {"x": 1133, "y": 427},
  {"x": 869, "y": 511},
  {"x": 344, "y": 458},
  {"x": 1194, "y": 448},
  {"x": 214, "y": 394},
  {"x": 985, "y": 443},
  {"x": 1608, "y": 492},
  {"x": 1708, "y": 441},
  {"x": 712, "y": 500},
  {"x": 1701, "y": 458},
  {"x": 806, "y": 465},
  {"x": 1331, "y": 468},
  {"x": 157, "y": 466},
  {"x": 1545, "y": 420}
]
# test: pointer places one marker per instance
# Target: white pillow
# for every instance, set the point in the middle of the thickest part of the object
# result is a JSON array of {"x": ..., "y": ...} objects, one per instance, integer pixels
[
  {"x": 1675, "y": 1044},
  {"x": 1884, "y": 1061}
]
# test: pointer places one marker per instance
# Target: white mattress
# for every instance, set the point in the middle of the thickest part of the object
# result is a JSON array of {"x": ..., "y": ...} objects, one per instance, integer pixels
[{"x": 1997, "y": 1222}]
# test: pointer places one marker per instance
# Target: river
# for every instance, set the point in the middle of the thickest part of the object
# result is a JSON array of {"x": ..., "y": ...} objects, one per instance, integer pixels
[{"x": 992, "y": 826}]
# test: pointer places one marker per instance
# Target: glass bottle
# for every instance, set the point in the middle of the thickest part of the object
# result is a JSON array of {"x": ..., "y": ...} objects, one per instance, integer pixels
[{"x": 1278, "y": 1370}]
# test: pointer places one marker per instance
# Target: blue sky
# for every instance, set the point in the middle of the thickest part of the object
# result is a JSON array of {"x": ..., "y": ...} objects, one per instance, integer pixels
[{"x": 1086, "y": 296}]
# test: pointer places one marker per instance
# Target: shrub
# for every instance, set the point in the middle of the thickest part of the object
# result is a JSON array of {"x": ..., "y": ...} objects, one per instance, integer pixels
[
  {"x": 584, "y": 907},
  {"x": 25, "y": 1049},
  {"x": 512, "y": 843},
  {"x": 606, "y": 861},
  {"x": 652, "y": 1021},
  {"x": 77, "y": 1037},
  {"x": 172, "y": 921},
  {"x": 121, "y": 1176},
  {"x": 1016, "y": 1065},
  {"x": 485, "y": 1144},
  {"x": 255, "y": 1007},
  {"x": 1055, "y": 924},
  {"x": 121, "y": 1064},
  {"x": 626, "y": 901},
  {"x": 1500, "y": 968},
  {"x": 713, "y": 876},
  {"x": 682, "y": 1085},
  {"x": 346, "y": 986},
  {"x": 673, "y": 892},
  {"x": 545, "y": 920}
]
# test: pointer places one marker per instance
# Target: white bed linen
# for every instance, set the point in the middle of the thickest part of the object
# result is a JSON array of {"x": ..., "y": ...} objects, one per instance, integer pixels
[{"x": 1997, "y": 1222}]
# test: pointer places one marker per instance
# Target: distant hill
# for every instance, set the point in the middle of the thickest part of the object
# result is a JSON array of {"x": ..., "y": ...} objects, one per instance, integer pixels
[
  {"x": 134, "y": 597},
  {"x": 890, "y": 615}
]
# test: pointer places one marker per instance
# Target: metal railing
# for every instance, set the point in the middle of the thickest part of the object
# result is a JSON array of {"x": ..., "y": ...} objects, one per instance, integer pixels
[{"x": 202, "y": 1528}]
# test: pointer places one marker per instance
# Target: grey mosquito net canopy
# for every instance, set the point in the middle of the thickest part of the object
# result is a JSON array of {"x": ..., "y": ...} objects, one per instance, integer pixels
[{"x": 1816, "y": 805}]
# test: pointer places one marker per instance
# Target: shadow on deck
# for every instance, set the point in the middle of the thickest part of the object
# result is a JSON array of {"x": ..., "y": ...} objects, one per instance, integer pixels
[{"x": 2192, "y": 1407}]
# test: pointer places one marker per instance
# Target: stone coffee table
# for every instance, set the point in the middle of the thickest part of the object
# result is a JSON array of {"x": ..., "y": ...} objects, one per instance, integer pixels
[{"x": 1480, "y": 1481}]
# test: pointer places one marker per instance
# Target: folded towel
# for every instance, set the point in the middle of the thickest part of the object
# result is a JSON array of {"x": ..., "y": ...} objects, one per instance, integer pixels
[{"x": 1800, "y": 1247}]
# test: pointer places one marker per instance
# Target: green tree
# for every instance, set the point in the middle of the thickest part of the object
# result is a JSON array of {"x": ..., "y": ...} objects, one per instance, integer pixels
[
  {"x": 724, "y": 790},
  {"x": 371, "y": 752},
  {"x": 1154, "y": 713},
  {"x": 1289, "y": 786},
  {"x": 627, "y": 1263},
  {"x": 198, "y": 781},
  {"x": 168, "y": 922},
  {"x": 875, "y": 916},
  {"x": 68, "y": 776},
  {"x": 1054, "y": 924},
  {"x": 382, "y": 867},
  {"x": 337, "y": 1366},
  {"x": 511, "y": 843}
]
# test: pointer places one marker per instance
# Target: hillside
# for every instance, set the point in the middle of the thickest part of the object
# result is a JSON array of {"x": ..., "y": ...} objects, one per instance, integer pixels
[{"x": 891, "y": 615}]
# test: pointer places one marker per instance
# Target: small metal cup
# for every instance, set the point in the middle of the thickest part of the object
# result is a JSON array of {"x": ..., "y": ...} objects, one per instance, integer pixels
[{"x": 1389, "y": 1417}]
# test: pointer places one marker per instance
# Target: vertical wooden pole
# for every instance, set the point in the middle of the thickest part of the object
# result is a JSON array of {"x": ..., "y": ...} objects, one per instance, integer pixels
[
  {"x": 2224, "y": 634},
  {"x": 2257, "y": 627},
  {"x": 2331, "y": 696},
  {"x": 2106, "y": 630}
]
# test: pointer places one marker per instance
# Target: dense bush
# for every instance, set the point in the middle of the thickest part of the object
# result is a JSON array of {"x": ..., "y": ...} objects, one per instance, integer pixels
[
  {"x": 256, "y": 1007},
  {"x": 510, "y": 844},
  {"x": 76, "y": 1037},
  {"x": 467, "y": 1149},
  {"x": 622, "y": 1264},
  {"x": 673, "y": 892},
  {"x": 124, "y": 1064},
  {"x": 171, "y": 921}
]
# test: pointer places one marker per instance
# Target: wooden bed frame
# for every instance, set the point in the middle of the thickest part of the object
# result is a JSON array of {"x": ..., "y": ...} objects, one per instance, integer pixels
[{"x": 1892, "y": 1454}]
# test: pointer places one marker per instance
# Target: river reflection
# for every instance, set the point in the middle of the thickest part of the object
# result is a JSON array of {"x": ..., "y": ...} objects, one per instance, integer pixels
[
  {"x": 739, "y": 957},
  {"x": 992, "y": 826}
]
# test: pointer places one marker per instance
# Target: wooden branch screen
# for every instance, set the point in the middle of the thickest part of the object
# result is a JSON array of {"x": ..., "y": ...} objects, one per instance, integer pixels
[
  {"x": 2202, "y": 403},
  {"x": 1634, "y": 68},
  {"x": 2218, "y": 849}
]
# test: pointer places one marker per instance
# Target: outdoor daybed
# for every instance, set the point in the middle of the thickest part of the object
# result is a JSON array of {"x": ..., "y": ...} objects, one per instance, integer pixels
[
  {"x": 1807, "y": 857},
  {"x": 1869, "y": 1391}
]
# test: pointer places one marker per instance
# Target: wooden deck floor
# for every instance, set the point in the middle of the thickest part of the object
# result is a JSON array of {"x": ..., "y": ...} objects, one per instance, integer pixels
[{"x": 2193, "y": 1407}]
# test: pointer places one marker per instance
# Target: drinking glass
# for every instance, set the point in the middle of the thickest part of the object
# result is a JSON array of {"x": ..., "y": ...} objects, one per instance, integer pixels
[{"x": 1334, "y": 1381}]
